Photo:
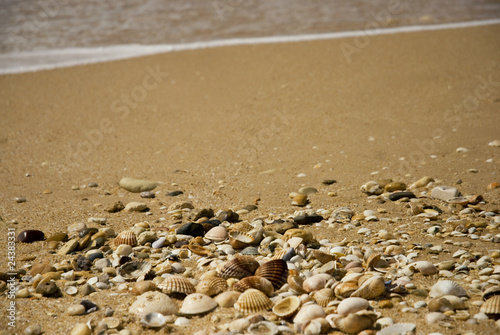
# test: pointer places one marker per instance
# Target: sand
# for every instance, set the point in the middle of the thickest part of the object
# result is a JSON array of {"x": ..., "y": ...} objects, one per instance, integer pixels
[{"x": 232, "y": 125}]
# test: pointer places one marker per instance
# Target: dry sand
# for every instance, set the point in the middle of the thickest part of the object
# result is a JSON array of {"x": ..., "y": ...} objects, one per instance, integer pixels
[{"x": 233, "y": 124}]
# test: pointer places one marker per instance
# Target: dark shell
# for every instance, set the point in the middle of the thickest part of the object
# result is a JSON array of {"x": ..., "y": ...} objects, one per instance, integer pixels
[
  {"x": 174, "y": 193},
  {"x": 239, "y": 267},
  {"x": 31, "y": 235},
  {"x": 276, "y": 271},
  {"x": 260, "y": 283},
  {"x": 192, "y": 229}
]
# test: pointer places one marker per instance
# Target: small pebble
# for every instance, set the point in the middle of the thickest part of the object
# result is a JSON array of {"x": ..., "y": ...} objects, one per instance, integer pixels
[{"x": 33, "y": 330}]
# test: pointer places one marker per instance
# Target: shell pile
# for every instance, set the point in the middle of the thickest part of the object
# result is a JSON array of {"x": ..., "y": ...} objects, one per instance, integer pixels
[{"x": 278, "y": 275}]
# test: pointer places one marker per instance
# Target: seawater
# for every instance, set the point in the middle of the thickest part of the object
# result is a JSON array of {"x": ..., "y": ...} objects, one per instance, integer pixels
[{"x": 41, "y": 34}]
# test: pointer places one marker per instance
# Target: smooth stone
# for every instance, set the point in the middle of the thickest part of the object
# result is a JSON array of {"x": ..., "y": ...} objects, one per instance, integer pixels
[
  {"x": 399, "y": 195},
  {"x": 42, "y": 268},
  {"x": 444, "y": 193},
  {"x": 95, "y": 255},
  {"x": 197, "y": 214},
  {"x": 69, "y": 247},
  {"x": 20, "y": 200},
  {"x": 228, "y": 215},
  {"x": 422, "y": 182},
  {"x": 87, "y": 231},
  {"x": 399, "y": 329},
  {"x": 371, "y": 188},
  {"x": 395, "y": 186},
  {"x": 159, "y": 242},
  {"x": 124, "y": 250},
  {"x": 145, "y": 237},
  {"x": 148, "y": 195},
  {"x": 174, "y": 193},
  {"x": 300, "y": 200},
  {"x": 182, "y": 321},
  {"x": 33, "y": 330},
  {"x": 307, "y": 190},
  {"x": 191, "y": 229},
  {"x": 31, "y": 235},
  {"x": 281, "y": 228},
  {"x": 136, "y": 206},
  {"x": 137, "y": 185},
  {"x": 77, "y": 309},
  {"x": 308, "y": 219},
  {"x": 81, "y": 329},
  {"x": 329, "y": 181},
  {"x": 86, "y": 289},
  {"x": 89, "y": 306}
]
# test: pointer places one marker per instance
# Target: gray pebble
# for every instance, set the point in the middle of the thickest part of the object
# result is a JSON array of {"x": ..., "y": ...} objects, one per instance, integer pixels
[
  {"x": 20, "y": 200},
  {"x": 77, "y": 309},
  {"x": 159, "y": 243}
]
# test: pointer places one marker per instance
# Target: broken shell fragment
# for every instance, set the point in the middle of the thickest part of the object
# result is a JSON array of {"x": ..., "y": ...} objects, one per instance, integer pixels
[{"x": 153, "y": 320}]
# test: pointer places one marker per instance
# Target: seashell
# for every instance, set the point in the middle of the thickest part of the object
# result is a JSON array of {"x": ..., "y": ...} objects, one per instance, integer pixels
[
  {"x": 446, "y": 303},
  {"x": 126, "y": 237},
  {"x": 177, "y": 284},
  {"x": 197, "y": 303},
  {"x": 153, "y": 301},
  {"x": 211, "y": 286},
  {"x": 307, "y": 237},
  {"x": 314, "y": 283},
  {"x": 491, "y": 307},
  {"x": 327, "y": 268},
  {"x": 352, "y": 305},
  {"x": 324, "y": 296},
  {"x": 240, "y": 240},
  {"x": 351, "y": 277},
  {"x": 134, "y": 270},
  {"x": 490, "y": 292},
  {"x": 447, "y": 287},
  {"x": 372, "y": 260},
  {"x": 71, "y": 290},
  {"x": 344, "y": 290},
  {"x": 239, "y": 267},
  {"x": 143, "y": 287},
  {"x": 112, "y": 322},
  {"x": 287, "y": 307},
  {"x": 253, "y": 301},
  {"x": 371, "y": 288},
  {"x": 276, "y": 271},
  {"x": 217, "y": 234},
  {"x": 424, "y": 267},
  {"x": 355, "y": 322},
  {"x": 227, "y": 299},
  {"x": 263, "y": 328},
  {"x": 295, "y": 282},
  {"x": 308, "y": 313},
  {"x": 256, "y": 282},
  {"x": 300, "y": 200},
  {"x": 371, "y": 188},
  {"x": 199, "y": 250},
  {"x": 321, "y": 256}
]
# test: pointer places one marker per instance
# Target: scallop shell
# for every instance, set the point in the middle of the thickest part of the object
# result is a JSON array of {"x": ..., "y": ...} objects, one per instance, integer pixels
[
  {"x": 491, "y": 307},
  {"x": 256, "y": 282},
  {"x": 217, "y": 234},
  {"x": 276, "y": 271},
  {"x": 177, "y": 284},
  {"x": 253, "y": 301},
  {"x": 287, "y": 307},
  {"x": 239, "y": 239},
  {"x": 153, "y": 320},
  {"x": 447, "y": 287},
  {"x": 355, "y": 322},
  {"x": 239, "y": 267},
  {"x": 324, "y": 296},
  {"x": 126, "y": 237},
  {"x": 295, "y": 282},
  {"x": 134, "y": 270},
  {"x": 371, "y": 288},
  {"x": 197, "y": 303},
  {"x": 211, "y": 286},
  {"x": 344, "y": 290}
]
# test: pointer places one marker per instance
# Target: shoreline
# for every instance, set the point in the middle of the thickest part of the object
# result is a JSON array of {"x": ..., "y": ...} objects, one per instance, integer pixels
[{"x": 56, "y": 59}]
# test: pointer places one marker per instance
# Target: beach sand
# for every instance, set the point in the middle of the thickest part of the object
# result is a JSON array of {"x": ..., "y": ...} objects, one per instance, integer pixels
[{"x": 232, "y": 125}]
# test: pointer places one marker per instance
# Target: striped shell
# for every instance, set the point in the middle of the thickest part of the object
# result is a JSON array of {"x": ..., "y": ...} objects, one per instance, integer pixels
[
  {"x": 287, "y": 307},
  {"x": 256, "y": 282},
  {"x": 371, "y": 288},
  {"x": 176, "y": 284},
  {"x": 490, "y": 292},
  {"x": 447, "y": 287},
  {"x": 211, "y": 286},
  {"x": 276, "y": 271},
  {"x": 126, "y": 237},
  {"x": 491, "y": 307},
  {"x": 253, "y": 301},
  {"x": 239, "y": 267},
  {"x": 355, "y": 322},
  {"x": 324, "y": 296}
]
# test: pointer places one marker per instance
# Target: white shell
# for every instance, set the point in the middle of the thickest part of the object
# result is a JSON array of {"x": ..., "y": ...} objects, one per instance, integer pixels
[
  {"x": 197, "y": 303},
  {"x": 314, "y": 283},
  {"x": 153, "y": 301},
  {"x": 153, "y": 320},
  {"x": 217, "y": 234},
  {"x": 308, "y": 313},
  {"x": 447, "y": 287},
  {"x": 352, "y": 305}
]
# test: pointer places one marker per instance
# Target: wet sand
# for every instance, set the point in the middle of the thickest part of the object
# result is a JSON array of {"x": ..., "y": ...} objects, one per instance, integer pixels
[{"x": 231, "y": 125}]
